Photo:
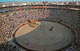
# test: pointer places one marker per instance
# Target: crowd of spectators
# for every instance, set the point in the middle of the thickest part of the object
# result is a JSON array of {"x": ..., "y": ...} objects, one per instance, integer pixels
[{"x": 10, "y": 20}]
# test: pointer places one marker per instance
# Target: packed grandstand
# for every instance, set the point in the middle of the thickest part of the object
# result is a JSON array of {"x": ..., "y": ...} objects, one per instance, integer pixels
[{"x": 11, "y": 17}]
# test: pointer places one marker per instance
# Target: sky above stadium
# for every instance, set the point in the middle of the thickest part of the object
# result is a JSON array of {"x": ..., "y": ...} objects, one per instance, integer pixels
[{"x": 33, "y": 0}]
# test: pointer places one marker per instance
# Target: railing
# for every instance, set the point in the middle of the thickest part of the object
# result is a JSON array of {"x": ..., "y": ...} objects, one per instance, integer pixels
[{"x": 41, "y": 7}]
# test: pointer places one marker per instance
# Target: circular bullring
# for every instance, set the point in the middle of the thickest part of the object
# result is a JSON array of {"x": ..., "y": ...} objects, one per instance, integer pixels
[
  {"x": 43, "y": 35},
  {"x": 13, "y": 18}
]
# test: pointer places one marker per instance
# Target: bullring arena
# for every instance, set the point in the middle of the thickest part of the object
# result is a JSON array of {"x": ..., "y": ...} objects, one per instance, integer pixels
[{"x": 39, "y": 29}]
